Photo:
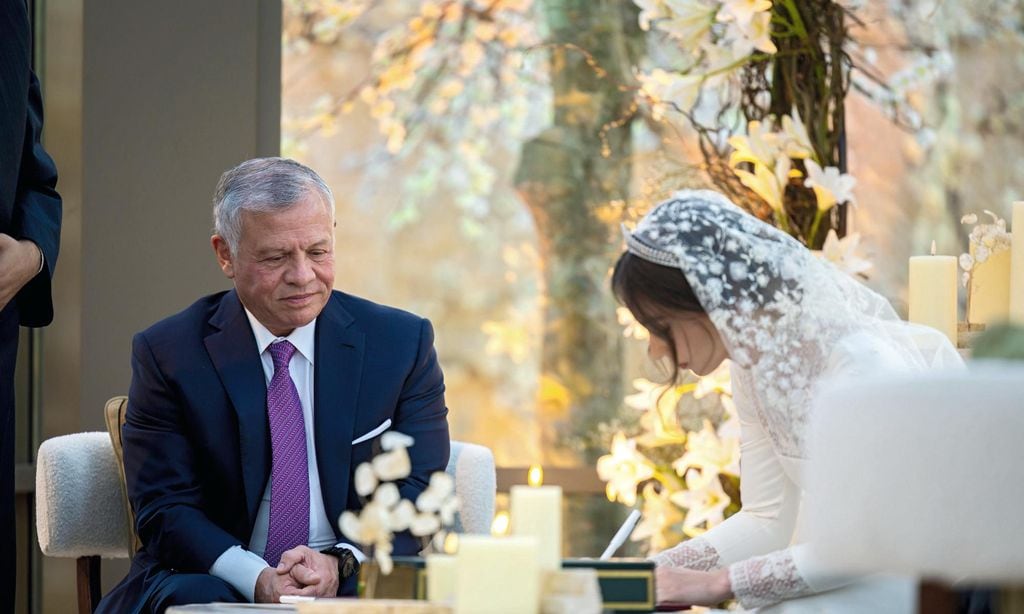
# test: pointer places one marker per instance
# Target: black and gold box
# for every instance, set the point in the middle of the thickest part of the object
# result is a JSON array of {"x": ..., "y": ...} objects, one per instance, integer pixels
[{"x": 627, "y": 585}]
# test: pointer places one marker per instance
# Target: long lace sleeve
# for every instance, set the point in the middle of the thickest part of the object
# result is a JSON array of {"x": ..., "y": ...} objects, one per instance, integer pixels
[
  {"x": 695, "y": 554},
  {"x": 764, "y": 580},
  {"x": 770, "y": 501}
]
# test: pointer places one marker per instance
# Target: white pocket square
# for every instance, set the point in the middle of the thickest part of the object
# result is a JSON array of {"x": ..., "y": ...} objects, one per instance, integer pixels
[{"x": 377, "y": 431}]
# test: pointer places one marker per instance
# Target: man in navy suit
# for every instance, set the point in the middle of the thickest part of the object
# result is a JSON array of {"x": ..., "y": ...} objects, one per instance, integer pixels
[
  {"x": 249, "y": 411},
  {"x": 30, "y": 210}
]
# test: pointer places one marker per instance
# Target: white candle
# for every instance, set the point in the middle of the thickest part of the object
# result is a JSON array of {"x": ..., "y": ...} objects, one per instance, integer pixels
[
  {"x": 537, "y": 511},
  {"x": 440, "y": 577},
  {"x": 932, "y": 294},
  {"x": 1017, "y": 264},
  {"x": 497, "y": 575},
  {"x": 990, "y": 289}
]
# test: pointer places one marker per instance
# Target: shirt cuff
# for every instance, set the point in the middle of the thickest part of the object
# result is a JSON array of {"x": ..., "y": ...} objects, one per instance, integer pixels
[
  {"x": 241, "y": 569},
  {"x": 42, "y": 259},
  {"x": 355, "y": 551}
]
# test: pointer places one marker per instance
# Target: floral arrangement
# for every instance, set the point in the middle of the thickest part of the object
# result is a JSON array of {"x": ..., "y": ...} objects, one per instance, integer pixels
[
  {"x": 985, "y": 241},
  {"x": 385, "y": 512},
  {"x": 763, "y": 84},
  {"x": 680, "y": 459}
]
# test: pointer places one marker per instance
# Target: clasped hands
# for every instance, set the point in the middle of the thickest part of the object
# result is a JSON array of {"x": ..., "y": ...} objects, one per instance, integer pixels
[
  {"x": 19, "y": 262},
  {"x": 302, "y": 571}
]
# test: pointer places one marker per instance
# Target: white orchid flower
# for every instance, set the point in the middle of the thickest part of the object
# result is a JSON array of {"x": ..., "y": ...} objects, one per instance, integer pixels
[
  {"x": 830, "y": 186},
  {"x": 392, "y": 465},
  {"x": 365, "y": 479},
  {"x": 425, "y": 524},
  {"x": 382, "y": 554},
  {"x": 394, "y": 439},
  {"x": 448, "y": 510},
  {"x": 402, "y": 515},
  {"x": 440, "y": 488},
  {"x": 387, "y": 495}
]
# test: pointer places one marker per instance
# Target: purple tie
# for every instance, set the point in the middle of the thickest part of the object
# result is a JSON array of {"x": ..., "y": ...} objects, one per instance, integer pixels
[{"x": 289, "y": 471}]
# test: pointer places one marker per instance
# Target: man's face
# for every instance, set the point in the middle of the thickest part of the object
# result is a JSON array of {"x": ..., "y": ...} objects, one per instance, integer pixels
[{"x": 284, "y": 266}]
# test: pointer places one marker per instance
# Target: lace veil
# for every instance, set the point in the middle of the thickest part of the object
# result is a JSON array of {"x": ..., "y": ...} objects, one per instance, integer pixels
[{"x": 780, "y": 310}]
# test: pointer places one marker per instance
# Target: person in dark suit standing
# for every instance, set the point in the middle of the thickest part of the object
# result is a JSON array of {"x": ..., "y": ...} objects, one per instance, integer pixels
[
  {"x": 249, "y": 411},
  {"x": 30, "y": 211}
]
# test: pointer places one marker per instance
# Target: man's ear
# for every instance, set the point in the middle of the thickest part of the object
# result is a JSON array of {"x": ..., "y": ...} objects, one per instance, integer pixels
[{"x": 224, "y": 257}]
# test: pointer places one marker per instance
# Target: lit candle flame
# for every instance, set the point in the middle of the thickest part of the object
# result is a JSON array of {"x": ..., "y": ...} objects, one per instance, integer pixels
[
  {"x": 451, "y": 543},
  {"x": 535, "y": 477},
  {"x": 933, "y": 247},
  {"x": 499, "y": 526}
]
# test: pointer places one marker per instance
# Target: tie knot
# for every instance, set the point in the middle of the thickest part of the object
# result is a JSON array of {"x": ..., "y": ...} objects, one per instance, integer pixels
[{"x": 281, "y": 352}]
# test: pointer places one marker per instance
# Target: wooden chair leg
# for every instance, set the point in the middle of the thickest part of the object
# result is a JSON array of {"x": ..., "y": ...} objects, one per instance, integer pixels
[{"x": 88, "y": 584}]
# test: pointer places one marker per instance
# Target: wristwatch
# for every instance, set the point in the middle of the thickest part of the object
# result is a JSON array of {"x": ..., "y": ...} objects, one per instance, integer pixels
[{"x": 348, "y": 565}]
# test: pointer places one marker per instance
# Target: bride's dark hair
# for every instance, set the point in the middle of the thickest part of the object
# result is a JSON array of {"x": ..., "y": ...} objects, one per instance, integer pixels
[{"x": 651, "y": 292}]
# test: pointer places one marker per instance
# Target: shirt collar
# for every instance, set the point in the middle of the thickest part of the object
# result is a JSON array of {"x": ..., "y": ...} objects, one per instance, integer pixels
[{"x": 303, "y": 337}]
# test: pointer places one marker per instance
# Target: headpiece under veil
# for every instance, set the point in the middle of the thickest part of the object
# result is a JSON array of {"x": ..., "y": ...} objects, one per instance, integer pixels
[{"x": 779, "y": 309}]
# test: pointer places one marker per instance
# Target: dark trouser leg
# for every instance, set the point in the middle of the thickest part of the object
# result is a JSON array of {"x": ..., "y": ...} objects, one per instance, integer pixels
[
  {"x": 8, "y": 551},
  {"x": 186, "y": 588}
]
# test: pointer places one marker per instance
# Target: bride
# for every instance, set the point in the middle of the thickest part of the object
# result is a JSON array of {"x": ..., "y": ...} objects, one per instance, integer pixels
[{"x": 711, "y": 282}]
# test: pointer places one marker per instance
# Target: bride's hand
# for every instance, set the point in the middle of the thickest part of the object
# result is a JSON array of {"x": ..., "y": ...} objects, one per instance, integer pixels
[{"x": 686, "y": 586}]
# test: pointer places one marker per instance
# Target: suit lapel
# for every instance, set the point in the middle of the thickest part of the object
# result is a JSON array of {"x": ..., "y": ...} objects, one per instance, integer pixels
[
  {"x": 233, "y": 350},
  {"x": 338, "y": 371}
]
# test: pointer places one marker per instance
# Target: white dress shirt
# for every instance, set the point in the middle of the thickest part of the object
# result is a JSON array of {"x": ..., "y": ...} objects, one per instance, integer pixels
[{"x": 239, "y": 567}]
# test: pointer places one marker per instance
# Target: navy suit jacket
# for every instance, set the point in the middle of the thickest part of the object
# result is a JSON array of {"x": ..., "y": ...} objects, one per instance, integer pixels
[
  {"x": 196, "y": 435},
  {"x": 30, "y": 207}
]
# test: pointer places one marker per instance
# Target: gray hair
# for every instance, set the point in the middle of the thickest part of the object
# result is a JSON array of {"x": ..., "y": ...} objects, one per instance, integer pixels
[{"x": 263, "y": 185}]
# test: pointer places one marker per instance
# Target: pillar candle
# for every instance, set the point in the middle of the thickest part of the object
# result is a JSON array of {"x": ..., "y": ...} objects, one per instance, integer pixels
[
  {"x": 497, "y": 575},
  {"x": 537, "y": 511},
  {"x": 990, "y": 289},
  {"x": 440, "y": 577},
  {"x": 933, "y": 299},
  {"x": 1017, "y": 264}
]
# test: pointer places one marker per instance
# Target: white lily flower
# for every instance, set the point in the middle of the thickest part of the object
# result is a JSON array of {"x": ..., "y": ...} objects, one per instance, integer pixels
[
  {"x": 830, "y": 186},
  {"x": 759, "y": 146},
  {"x": 757, "y": 34},
  {"x": 667, "y": 90},
  {"x": 623, "y": 469},
  {"x": 843, "y": 253},
  {"x": 743, "y": 11},
  {"x": 365, "y": 479},
  {"x": 704, "y": 500},
  {"x": 706, "y": 451},
  {"x": 650, "y": 10},
  {"x": 393, "y": 465},
  {"x": 766, "y": 184},
  {"x": 797, "y": 142},
  {"x": 394, "y": 439},
  {"x": 689, "y": 21}
]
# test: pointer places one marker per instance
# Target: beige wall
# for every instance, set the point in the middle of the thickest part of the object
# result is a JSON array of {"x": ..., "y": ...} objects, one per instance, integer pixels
[{"x": 147, "y": 103}]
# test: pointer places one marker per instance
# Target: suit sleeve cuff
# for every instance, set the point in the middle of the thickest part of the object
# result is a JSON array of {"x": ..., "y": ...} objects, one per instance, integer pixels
[{"x": 240, "y": 568}]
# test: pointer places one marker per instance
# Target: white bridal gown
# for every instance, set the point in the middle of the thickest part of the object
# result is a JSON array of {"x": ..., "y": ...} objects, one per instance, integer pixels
[{"x": 790, "y": 322}]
